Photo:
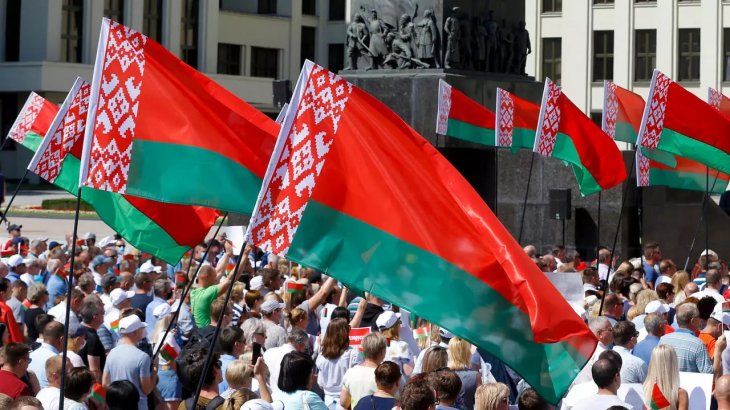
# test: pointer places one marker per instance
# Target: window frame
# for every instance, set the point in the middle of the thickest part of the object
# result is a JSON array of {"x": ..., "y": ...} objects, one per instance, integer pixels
[
  {"x": 189, "y": 51},
  {"x": 691, "y": 56},
  {"x": 232, "y": 64},
  {"x": 153, "y": 17},
  {"x": 68, "y": 8},
  {"x": 552, "y": 6},
  {"x": 606, "y": 56},
  {"x": 255, "y": 57},
  {"x": 114, "y": 10},
  {"x": 554, "y": 61},
  {"x": 649, "y": 56}
]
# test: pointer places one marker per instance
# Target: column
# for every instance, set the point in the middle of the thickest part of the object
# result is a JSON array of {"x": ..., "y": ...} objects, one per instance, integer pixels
[{"x": 208, "y": 36}]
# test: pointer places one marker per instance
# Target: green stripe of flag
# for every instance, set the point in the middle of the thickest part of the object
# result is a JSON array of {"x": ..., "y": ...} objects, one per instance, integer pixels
[
  {"x": 469, "y": 132},
  {"x": 686, "y": 180},
  {"x": 565, "y": 150},
  {"x": 32, "y": 141},
  {"x": 682, "y": 145}
]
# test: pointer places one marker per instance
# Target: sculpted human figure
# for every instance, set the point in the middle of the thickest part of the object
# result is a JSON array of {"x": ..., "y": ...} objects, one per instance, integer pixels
[
  {"x": 428, "y": 39},
  {"x": 522, "y": 48},
  {"x": 452, "y": 28},
  {"x": 377, "y": 49},
  {"x": 357, "y": 37}
]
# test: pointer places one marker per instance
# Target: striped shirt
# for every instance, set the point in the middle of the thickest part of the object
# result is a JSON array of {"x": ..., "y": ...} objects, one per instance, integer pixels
[{"x": 691, "y": 352}]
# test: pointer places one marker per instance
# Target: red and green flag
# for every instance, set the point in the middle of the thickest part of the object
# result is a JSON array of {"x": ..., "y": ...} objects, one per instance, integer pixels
[
  {"x": 718, "y": 100},
  {"x": 26, "y": 304},
  {"x": 33, "y": 121},
  {"x": 686, "y": 174},
  {"x": 98, "y": 393},
  {"x": 423, "y": 332},
  {"x": 677, "y": 122},
  {"x": 114, "y": 325},
  {"x": 622, "y": 112},
  {"x": 158, "y": 129},
  {"x": 294, "y": 287},
  {"x": 658, "y": 399},
  {"x": 461, "y": 117},
  {"x": 170, "y": 350},
  {"x": 428, "y": 236},
  {"x": 517, "y": 121},
  {"x": 565, "y": 133},
  {"x": 164, "y": 230}
]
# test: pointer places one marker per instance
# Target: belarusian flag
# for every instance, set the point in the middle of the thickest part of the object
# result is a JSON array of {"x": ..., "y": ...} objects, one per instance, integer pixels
[
  {"x": 98, "y": 393},
  {"x": 565, "y": 133},
  {"x": 461, "y": 117},
  {"x": 716, "y": 99},
  {"x": 294, "y": 287},
  {"x": 422, "y": 332},
  {"x": 159, "y": 129},
  {"x": 170, "y": 350},
  {"x": 675, "y": 121},
  {"x": 164, "y": 230},
  {"x": 517, "y": 121},
  {"x": 387, "y": 213},
  {"x": 32, "y": 122},
  {"x": 622, "y": 111},
  {"x": 658, "y": 399},
  {"x": 26, "y": 304}
]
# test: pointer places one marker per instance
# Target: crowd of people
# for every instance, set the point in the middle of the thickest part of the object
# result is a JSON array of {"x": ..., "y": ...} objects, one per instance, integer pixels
[{"x": 138, "y": 339}]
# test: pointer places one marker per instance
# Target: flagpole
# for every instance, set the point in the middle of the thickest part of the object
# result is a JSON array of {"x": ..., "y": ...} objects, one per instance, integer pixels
[
  {"x": 705, "y": 210},
  {"x": 699, "y": 223},
  {"x": 496, "y": 181},
  {"x": 69, "y": 285},
  {"x": 12, "y": 198},
  {"x": 598, "y": 226},
  {"x": 527, "y": 193},
  {"x": 186, "y": 289},
  {"x": 211, "y": 350}
]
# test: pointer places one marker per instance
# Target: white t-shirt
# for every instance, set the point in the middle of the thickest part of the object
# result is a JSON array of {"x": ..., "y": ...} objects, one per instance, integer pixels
[
  {"x": 601, "y": 402},
  {"x": 332, "y": 372},
  {"x": 59, "y": 315},
  {"x": 360, "y": 382},
  {"x": 49, "y": 399}
]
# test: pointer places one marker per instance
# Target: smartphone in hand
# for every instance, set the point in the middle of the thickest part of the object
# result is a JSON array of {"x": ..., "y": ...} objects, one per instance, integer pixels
[{"x": 256, "y": 353}]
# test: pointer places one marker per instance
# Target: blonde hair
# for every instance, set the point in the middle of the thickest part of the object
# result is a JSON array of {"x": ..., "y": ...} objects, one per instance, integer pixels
[
  {"x": 489, "y": 396},
  {"x": 642, "y": 299},
  {"x": 680, "y": 279},
  {"x": 393, "y": 332},
  {"x": 237, "y": 292},
  {"x": 664, "y": 371},
  {"x": 433, "y": 338},
  {"x": 459, "y": 352},
  {"x": 239, "y": 374},
  {"x": 297, "y": 316}
]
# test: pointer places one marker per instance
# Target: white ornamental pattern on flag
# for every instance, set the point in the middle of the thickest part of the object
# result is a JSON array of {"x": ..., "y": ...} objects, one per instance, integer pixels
[
  {"x": 22, "y": 125},
  {"x": 652, "y": 124},
  {"x": 65, "y": 135},
  {"x": 116, "y": 108},
  {"x": 610, "y": 109},
  {"x": 549, "y": 120},
  {"x": 301, "y": 160},
  {"x": 506, "y": 116},
  {"x": 714, "y": 97},
  {"x": 444, "y": 107}
]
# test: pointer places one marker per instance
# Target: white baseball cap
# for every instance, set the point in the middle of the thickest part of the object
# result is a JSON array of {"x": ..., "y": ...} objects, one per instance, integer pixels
[
  {"x": 161, "y": 310},
  {"x": 387, "y": 319},
  {"x": 148, "y": 267},
  {"x": 15, "y": 260},
  {"x": 271, "y": 305},
  {"x": 119, "y": 295},
  {"x": 130, "y": 324},
  {"x": 257, "y": 282},
  {"x": 656, "y": 306}
]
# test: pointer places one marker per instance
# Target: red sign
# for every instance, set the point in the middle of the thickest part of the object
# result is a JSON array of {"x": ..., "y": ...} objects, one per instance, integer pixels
[{"x": 356, "y": 336}]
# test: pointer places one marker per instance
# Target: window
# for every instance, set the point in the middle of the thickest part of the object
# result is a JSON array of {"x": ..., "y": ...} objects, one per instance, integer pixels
[
  {"x": 603, "y": 1},
  {"x": 229, "y": 59},
  {"x": 309, "y": 7},
  {"x": 264, "y": 62},
  {"x": 337, "y": 10},
  {"x": 114, "y": 9},
  {"x": 644, "y": 1},
  {"x": 72, "y": 17},
  {"x": 551, "y": 50},
  {"x": 152, "y": 19},
  {"x": 597, "y": 118},
  {"x": 602, "y": 55},
  {"x": 309, "y": 35},
  {"x": 726, "y": 54},
  {"x": 267, "y": 7},
  {"x": 336, "y": 57},
  {"x": 12, "y": 31},
  {"x": 644, "y": 54},
  {"x": 689, "y": 54},
  {"x": 8, "y": 112},
  {"x": 552, "y": 6},
  {"x": 189, "y": 33}
]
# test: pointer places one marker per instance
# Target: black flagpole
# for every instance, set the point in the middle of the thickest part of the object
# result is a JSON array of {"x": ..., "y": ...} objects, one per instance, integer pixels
[
  {"x": 527, "y": 193},
  {"x": 496, "y": 181},
  {"x": 69, "y": 284},
  {"x": 705, "y": 210},
  {"x": 3, "y": 217},
  {"x": 211, "y": 350},
  {"x": 598, "y": 227},
  {"x": 699, "y": 223},
  {"x": 187, "y": 288}
]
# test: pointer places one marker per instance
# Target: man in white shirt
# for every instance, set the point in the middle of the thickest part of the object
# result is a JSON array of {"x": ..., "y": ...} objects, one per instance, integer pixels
[
  {"x": 607, "y": 377},
  {"x": 49, "y": 395},
  {"x": 633, "y": 369},
  {"x": 59, "y": 311},
  {"x": 51, "y": 346},
  {"x": 100, "y": 266},
  {"x": 713, "y": 282},
  {"x": 297, "y": 340}
]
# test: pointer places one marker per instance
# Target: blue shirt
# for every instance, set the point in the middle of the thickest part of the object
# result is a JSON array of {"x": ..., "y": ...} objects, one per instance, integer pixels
[
  {"x": 149, "y": 318},
  {"x": 650, "y": 273},
  {"x": 692, "y": 354},
  {"x": 38, "y": 358},
  {"x": 226, "y": 359},
  {"x": 643, "y": 349},
  {"x": 12, "y": 276},
  {"x": 56, "y": 287}
]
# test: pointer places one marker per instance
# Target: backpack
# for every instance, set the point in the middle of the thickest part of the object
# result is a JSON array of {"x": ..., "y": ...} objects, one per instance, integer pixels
[{"x": 212, "y": 405}]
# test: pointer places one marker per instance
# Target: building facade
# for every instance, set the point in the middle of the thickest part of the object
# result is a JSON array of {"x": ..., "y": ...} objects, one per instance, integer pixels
[
  {"x": 581, "y": 43},
  {"x": 243, "y": 45}
]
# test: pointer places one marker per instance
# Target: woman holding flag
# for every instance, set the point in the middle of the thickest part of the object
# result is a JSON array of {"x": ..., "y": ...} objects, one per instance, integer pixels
[{"x": 661, "y": 388}]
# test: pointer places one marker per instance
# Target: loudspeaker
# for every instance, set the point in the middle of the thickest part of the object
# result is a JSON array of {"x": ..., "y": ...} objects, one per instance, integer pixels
[
  {"x": 560, "y": 205},
  {"x": 282, "y": 92}
]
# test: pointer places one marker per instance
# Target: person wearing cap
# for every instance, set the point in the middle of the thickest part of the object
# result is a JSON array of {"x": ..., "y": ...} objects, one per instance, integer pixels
[
  {"x": 667, "y": 269},
  {"x": 16, "y": 266},
  {"x": 121, "y": 299},
  {"x": 93, "y": 353},
  {"x": 108, "y": 284},
  {"x": 99, "y": 267},
  {"x": 89, "y": 238},
  {"x": 127, "y": 362},
  {"x": 207, "y": 291},
  {"x": 14, "y": 232},
  {"x": 633, "y": 369},
  {"x": 714, "y": 329},
  {"x": 54, "y": 250},
  {"x": 271, "y": 314},
  {"x": 389, "y": 324}
]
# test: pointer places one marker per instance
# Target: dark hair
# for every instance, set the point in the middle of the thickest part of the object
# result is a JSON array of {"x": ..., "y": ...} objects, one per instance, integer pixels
[
  {"x": 623, "y": 331},
  {"x": 387, "y": 374},
  {"x": 192, "y": 368},
  {"x": 664, "y": 289},
  {"x": 706, "y": 305},
  {"x": 228, "y": 338},
  {"x": 417, "y": 395},
  {"x": 269, "y": 275},
  {"x": 613, "y": 357},
  {"x": 89, "y": 310},
  {"x": 610, "y": 301},
  {"x": 53, "y": 330},
  {"x": 15, "y": 352},
  {"x": 41, "y": 321},
  {"x": 650, "y": 248},
  {"x": 78, "y": 382},
  {"x": 445, "y": 383},
  {"x": 140, "y": 279},
  {"x": 296, "y": 369},
  {"x": 18, "y": 403},
  {"x": 530, "y": 400},
  {"x": 604, "y": 371},
  {"x": 4, "y": 284},
  {"x": 340, "y": 312},
  {"x": 122, "y": 395}
]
